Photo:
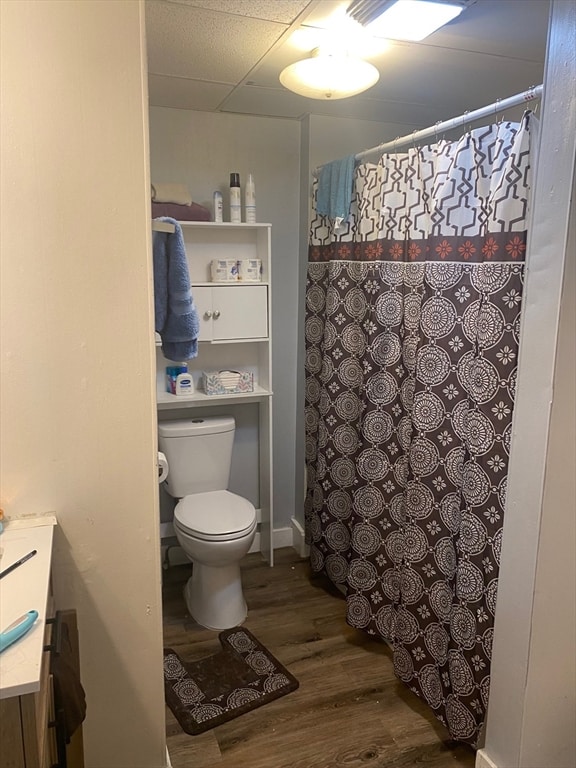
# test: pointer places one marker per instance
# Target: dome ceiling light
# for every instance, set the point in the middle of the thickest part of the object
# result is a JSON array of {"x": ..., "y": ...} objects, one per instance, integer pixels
[{"x": 329, "y": 76}]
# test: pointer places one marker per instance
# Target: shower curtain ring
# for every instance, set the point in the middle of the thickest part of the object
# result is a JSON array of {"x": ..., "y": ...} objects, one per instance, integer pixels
[
  {"x": 436, "y": 124},
  {"x": 531, "y": 96},
  {"x": 496, "y": 105}
]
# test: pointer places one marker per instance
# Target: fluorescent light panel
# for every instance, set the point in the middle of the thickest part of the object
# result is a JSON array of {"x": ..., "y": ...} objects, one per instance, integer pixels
[{"x": 410, "y": 19}]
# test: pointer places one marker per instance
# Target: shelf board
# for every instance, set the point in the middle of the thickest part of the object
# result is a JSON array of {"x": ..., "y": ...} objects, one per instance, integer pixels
[
  {"x": 224, "y": 224},
  {"x": 214, "y": 342},
  {"x": 162, "y": 226},
  {"x": 158, "y": 342},
  {"x": 165, "y": 400},
  {"x": 227, "y": 283}
]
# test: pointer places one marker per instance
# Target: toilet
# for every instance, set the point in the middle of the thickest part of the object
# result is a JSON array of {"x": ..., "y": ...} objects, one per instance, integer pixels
[{"x": 214, "y": 527}]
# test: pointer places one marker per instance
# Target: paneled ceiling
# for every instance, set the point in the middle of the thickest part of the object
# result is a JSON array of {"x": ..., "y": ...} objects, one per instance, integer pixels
[{"x": 226, "y": 56}]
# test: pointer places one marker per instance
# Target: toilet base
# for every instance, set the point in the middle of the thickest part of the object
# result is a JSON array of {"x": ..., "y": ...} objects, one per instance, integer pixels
[{"x": 214, "y": 596}]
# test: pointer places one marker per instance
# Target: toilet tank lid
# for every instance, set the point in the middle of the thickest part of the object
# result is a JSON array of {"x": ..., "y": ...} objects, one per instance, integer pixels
[{"x": 208, "y": 425}]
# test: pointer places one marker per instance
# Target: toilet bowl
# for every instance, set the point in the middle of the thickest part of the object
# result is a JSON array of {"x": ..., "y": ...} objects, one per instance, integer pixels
[
  {"x": 215, "y": 530},
  {"x": 214, "y": 526}
]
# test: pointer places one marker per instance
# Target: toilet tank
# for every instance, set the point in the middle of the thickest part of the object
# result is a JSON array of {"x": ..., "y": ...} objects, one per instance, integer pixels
[{"x": 199, "y": 453}]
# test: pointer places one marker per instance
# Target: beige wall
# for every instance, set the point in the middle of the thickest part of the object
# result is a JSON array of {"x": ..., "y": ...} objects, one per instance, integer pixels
[{"x": 77, "y": 396}]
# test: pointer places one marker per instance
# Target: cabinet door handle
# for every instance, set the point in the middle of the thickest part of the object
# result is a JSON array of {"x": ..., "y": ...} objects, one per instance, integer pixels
[
  {"x": 208, "y": 314},
  {"x": 216, "y": 314}
]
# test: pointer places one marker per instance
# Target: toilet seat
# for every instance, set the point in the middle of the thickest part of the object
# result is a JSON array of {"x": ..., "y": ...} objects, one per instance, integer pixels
[{"x": 215, "y": 515}]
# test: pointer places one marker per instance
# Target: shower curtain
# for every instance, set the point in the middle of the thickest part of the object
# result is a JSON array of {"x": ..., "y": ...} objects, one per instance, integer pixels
[{"x": 412, "y": 326}]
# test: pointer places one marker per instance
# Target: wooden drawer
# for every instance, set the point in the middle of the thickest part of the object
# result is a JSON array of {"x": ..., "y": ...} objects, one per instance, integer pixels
[
  {"x": 28, "y": 736},
  {"x": 24, "y": 732}
]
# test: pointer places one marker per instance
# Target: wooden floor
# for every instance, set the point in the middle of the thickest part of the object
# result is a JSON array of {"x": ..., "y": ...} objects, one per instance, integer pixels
[{"x": 350, "y": 711}]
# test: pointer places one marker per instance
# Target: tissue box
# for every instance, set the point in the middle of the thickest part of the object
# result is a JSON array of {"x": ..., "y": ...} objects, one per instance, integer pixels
[
  {"x": 250, "y": 270},
  {"x": 224, "y": 270},
  {"x": 227, "y": 382}
]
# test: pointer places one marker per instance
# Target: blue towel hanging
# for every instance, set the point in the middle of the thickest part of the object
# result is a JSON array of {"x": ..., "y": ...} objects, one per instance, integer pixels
[
  {"x": 334, "y": 193},
  {"x": 175, "y": 315}
]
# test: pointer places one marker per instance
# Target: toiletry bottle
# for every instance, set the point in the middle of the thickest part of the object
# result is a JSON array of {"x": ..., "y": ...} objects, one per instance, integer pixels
[
  {"x": 172, "y": 373},
  {"x": 250, "y": 201},
  {"x": 184, "y": 384},
  {"x": 235, "y": 204},
  {"x": 170, "y": 378},
  {"x": 217, "y": 197}
]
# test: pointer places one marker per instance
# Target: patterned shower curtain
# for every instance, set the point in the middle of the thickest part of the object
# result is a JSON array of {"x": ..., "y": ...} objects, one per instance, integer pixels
[{"x": 412, "y": 325}]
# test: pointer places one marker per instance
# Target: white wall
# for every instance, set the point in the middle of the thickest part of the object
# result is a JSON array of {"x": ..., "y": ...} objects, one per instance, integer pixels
[
  {"x": 333, "y": 138},
  {"x": 201, "y": 149},
  {"x": 531, "y": 713},
  {"x": 77, "y": 409}
]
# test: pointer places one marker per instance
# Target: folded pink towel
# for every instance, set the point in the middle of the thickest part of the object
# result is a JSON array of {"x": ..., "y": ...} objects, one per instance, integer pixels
[
  {"x": 171, "y": 193},
  {"x": 192, "y": 212}
]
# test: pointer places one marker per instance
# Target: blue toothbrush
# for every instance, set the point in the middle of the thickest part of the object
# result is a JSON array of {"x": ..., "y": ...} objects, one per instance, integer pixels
[{"x": 17, "y": 629}]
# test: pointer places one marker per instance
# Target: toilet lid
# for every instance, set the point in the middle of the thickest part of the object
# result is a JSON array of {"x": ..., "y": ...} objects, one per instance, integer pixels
[{"x": 215, "y": 513}]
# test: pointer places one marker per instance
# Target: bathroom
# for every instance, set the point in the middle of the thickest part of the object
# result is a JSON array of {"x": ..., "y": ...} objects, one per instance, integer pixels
[{"x": 81, "y": 365}]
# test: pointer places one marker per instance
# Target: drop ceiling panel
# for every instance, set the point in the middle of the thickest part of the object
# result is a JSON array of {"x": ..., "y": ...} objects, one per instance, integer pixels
[
  {"x": 181, "y": 93},
  {"x": 281, "y": 103},
  {"x": 270, "y": 10},
  {"x": 227, "y": 55},
  {"x": 323, "y": 10},
  {"x": 450, "y": 78},
  {"x": 426, "y": 74},
  {"x": 508, "y": 28},
  {"x": 185, "y": 41},
  {"x": 272, "y": 102}
]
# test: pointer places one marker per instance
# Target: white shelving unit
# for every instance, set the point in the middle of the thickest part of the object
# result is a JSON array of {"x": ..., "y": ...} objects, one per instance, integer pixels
[{"x": 235, "y": 334}]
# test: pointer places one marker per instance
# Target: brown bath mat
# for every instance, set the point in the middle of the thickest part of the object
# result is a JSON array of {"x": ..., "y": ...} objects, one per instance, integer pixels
[{"x": 242, "y": 676}]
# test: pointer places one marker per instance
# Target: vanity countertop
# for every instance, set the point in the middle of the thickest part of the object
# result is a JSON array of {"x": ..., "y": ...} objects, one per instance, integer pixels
[{"x": 24, "y": 589}]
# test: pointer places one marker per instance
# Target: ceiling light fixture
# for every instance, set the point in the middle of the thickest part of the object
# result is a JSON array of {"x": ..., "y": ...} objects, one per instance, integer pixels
[
  {"x": 329, "y": 76},
  {"x": 411, "y": 20}
]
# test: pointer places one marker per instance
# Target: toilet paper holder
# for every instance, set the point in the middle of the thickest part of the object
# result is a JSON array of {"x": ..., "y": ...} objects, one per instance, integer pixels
[{"x": 163, "y": 468}]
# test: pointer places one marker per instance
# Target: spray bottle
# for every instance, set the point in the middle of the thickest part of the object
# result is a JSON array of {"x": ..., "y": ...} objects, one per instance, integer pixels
[
  {"x": 250, "y": 201},
  {"x": 217, "y": 197},
  {"x": 235, "y": 204}
]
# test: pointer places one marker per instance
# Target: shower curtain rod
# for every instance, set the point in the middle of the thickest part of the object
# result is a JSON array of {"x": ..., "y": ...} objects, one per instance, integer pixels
[{"x": 532, "y": 93}]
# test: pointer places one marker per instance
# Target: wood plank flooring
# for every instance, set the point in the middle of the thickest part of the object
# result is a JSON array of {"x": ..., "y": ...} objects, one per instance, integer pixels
[{"x": 350, "y": 711}]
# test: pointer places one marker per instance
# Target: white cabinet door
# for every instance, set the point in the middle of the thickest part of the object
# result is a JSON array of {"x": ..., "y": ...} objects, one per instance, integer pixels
[
  {"x": 240, "y": 312},
  {"x": 232, "y": 312},
  {"x": 203, "y": 301}
]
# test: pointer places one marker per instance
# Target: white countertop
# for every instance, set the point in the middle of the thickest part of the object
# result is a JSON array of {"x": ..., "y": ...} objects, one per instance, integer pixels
[{"x": 24, "y": 589}]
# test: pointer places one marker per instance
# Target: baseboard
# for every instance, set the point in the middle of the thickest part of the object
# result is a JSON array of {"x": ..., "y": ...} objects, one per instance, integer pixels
[
  {"x": 168, "y": 763},
  {"x": 483, "y": 761},
  {"x": 283, "y": 538},
  {"x": 298, "y": 540}
]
